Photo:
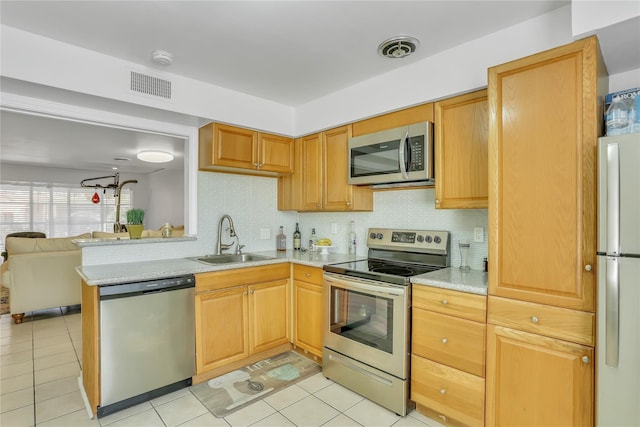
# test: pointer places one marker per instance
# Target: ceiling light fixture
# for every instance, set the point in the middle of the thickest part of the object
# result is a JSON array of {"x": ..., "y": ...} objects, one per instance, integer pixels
[
  {"x": 398, "y": 47},
  {"x": 161, "y": 57},
  {"x": 155, "y": 156}
]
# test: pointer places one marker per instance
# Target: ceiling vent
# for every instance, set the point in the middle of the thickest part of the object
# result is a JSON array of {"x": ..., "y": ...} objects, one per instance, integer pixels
[
  {"x": 149, "y": 85},
  {"x": 398, "y": 47}
]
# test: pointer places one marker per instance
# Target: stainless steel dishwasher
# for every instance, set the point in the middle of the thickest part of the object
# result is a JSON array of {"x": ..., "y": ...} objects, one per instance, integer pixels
[{"x": 147, "y": 340}]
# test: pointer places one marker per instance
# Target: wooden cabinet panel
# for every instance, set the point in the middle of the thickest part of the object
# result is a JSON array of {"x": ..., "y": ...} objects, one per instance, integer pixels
[
  {"x": 269, "y": 315},
  {"x": 237, "y": 150},
  {"x": 407, "y": 116},
  {"x": 454, "y": 303},
  {"x": 458, "y": 343},
  {"x": 320, "y": 180},
  {"x": 307, "y": 313},
  {"x": 545, "y": 113},
  {"x": 571, "y": 325},
  {"x": 448, "y": 391},
  {"x": 537, "y": 381},
  {"x": 275, "y": 153},
  {"x": 241, "y": 276},
  {"x": 221, "y": 328},
  {"x": 461, "y": 159},
  {"x": 307, "y": 274}
]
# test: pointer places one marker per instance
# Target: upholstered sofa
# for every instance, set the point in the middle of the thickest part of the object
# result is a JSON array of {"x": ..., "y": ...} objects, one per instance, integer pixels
[{"x": 40, "y": 273}]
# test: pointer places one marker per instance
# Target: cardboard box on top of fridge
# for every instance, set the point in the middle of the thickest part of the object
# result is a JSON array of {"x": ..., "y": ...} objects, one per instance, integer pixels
[{"x": 631, "y": 99}]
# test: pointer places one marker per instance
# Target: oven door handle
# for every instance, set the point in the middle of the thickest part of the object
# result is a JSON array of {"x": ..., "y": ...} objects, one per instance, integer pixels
[{"x": 379, "y": 288}]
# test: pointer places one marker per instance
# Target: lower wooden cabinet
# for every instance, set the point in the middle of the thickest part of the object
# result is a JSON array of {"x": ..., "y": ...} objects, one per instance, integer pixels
[
  {"x": 249, "y": 316},
  {"x": 533, "y": 380},
  {"x": 307, "y": 308},
  {"x": 448, "y": 333}
]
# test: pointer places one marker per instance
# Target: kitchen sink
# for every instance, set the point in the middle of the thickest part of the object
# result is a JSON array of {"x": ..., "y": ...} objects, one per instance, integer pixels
[{"x": 231, "y": 258}]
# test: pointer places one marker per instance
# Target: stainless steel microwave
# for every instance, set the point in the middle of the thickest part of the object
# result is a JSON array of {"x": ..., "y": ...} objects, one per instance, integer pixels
[{"x": 403, "y": 155}]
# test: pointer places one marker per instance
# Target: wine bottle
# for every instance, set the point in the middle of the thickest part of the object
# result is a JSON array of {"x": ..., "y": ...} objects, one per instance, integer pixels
[
  {"x": 281, "y": 240},
  {"x": 297, "y": 237}
]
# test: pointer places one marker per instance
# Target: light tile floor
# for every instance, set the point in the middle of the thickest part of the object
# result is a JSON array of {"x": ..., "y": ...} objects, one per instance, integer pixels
[{"x": 40, "y": 364}]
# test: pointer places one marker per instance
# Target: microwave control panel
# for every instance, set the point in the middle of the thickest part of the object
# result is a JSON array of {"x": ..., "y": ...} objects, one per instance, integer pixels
[{"x": 417, "y": 153}]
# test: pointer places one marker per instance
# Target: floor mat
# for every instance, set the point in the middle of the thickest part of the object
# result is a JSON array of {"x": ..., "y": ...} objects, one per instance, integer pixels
[{"x": 230, "y": 392}]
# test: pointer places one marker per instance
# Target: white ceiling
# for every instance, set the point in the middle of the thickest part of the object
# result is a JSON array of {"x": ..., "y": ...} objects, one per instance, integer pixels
[{"x": 290, "y": 52}]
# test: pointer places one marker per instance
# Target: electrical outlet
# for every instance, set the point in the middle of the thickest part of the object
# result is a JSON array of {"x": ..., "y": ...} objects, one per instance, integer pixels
[
  {"x": 265, "y": 233},
  {"x": 334, "y": 228},
  {"x": 478, "y": 234}
]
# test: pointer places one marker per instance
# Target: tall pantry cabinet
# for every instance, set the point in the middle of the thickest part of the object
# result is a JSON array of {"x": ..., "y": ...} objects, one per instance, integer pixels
[{"x": 545, "y": 117}]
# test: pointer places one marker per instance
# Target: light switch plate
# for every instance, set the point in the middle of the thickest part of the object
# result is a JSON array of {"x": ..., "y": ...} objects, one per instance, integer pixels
[
  {"x": 478, "y": 234},
  {"x": 265, "y": 233},
  {"x": 334, "y": 228}
]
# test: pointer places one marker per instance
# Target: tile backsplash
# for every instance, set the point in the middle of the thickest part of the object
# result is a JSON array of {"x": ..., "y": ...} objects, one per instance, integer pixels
[{"x": 252, "y": 203}]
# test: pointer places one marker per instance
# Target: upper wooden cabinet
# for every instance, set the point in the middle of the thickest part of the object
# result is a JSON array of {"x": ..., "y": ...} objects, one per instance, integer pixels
[
  {"x": 407, "y": 116},
  {"x": 546, "y": 116},
  {"x": 232, "y": 149},
  {"x": 461, "y": 159},
  {"x": 320, "y": 181}
]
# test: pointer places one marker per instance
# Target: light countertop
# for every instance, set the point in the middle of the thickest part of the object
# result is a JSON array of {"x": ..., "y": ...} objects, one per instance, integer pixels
[
  {"x": 110, "y": 274},
  {"x": 472, "y": 281}
]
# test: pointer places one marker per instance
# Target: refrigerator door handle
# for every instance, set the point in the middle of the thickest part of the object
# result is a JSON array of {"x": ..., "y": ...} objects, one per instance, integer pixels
[
  {"x": 612, "y": 313},
  {"x": 613, "y": 199}
]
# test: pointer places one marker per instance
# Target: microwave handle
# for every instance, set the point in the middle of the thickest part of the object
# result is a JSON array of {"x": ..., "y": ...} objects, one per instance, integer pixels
[{"x": 402, "y": 154}]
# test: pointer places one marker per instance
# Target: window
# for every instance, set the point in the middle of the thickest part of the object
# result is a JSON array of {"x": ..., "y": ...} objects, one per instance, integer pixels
[{"x": 57, "y": 210}]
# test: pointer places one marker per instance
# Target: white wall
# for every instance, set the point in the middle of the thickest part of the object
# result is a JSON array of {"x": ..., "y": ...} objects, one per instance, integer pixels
[{"x": 165, "y": 199}]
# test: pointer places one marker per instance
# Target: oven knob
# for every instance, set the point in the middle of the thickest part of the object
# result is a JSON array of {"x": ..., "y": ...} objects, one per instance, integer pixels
[
  {"x": 372, "y": 235},
  {"x": 420, "y": 239},
  {"x": 379, "y": 236},
  {"x": 437, "y": 239},
  {"x": 427, "y": 239}
]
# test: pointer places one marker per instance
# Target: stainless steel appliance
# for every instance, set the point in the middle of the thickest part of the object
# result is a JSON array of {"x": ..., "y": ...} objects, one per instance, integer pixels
[
  {"x": 400, "y": 156},
  {"x": 147, "y": 340},
  {"x": 618, "y": 324},
  {"x": 366, "y": 323}
]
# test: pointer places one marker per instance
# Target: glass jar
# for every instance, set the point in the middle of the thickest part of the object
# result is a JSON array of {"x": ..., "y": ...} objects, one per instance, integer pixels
[{"x": 166, "y": 230}]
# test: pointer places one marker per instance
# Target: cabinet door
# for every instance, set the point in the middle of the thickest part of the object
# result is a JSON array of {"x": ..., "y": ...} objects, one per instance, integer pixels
[
  {"x": 311, "y": 172},
  {"x": 275, "y": 153},
  {"x": 537, "y": 381},
  {"x": 337, "y": 194},
  {"x": 307, "y": 315},
  {"x": 234, "y": 147},
  {"x": 461, "y": 151},
  {"x": 218, "y": 345},
  {"x": 542, "y": 163},
  {"x": 269, "y": 315}
]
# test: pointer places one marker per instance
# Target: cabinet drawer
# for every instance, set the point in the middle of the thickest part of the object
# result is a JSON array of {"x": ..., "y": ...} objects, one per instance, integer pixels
[
  {"x": 241, "y": 276},
  {"x": 570, "y": 325},
  {"x": 455, "y": 342},
  {"x": 454, "y": 303},
  {"x": 448, "y": 391},
  {"x": 307, "y": 274}
]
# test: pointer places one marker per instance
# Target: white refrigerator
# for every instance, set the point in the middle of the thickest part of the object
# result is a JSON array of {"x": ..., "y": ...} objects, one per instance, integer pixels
[{"x": 618, "y": 318}]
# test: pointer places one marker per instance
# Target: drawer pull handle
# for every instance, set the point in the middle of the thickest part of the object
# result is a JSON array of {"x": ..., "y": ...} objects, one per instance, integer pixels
[
  {"x": 444, "y": 340},
  {"x": 443, "y": 391},
  {"x": 445, "y": 302},
  {"x": 534, "y": 319},
  {"x": 585, "y": 359}
]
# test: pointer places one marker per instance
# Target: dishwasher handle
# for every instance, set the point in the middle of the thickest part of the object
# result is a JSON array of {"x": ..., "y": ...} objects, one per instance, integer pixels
[{"x": 123, "y": 290}]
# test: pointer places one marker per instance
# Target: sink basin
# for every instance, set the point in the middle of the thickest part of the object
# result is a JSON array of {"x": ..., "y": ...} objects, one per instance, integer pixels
[{"x": 231, "y": 258}]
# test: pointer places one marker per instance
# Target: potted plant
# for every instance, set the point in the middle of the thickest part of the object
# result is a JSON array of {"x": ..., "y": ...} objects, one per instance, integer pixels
[{"x": 135, "y": 218}]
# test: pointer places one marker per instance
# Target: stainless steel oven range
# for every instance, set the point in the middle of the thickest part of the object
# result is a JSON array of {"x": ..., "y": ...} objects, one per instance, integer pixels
[{"x": 366, "y": 323}]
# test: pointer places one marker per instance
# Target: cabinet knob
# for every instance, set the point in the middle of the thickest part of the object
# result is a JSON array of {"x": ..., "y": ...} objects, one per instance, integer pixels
[
  {"x": 588, "y": 267},
  {"x": 443, "y": 391},
  {"x": 585, "y": 359},
  {"x": 445, "y": 302},
  {"x": 437, "y": 202},
  {"x": 256, "y": 164},
  {"x": 307, "y": 274},
  {"x": 244, "y": 293},
  {"x": 348, "y": 203},
  {"x": 444, "y": 340},
  {"x": 534, "y": 319}
]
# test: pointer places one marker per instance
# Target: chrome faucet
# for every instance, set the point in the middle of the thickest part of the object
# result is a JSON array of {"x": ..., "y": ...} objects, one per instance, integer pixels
[{"x": 232, "y": 232}]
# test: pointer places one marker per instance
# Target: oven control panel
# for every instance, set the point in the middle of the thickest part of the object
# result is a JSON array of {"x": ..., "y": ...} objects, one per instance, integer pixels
[{"x": 431, "y": 241}]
